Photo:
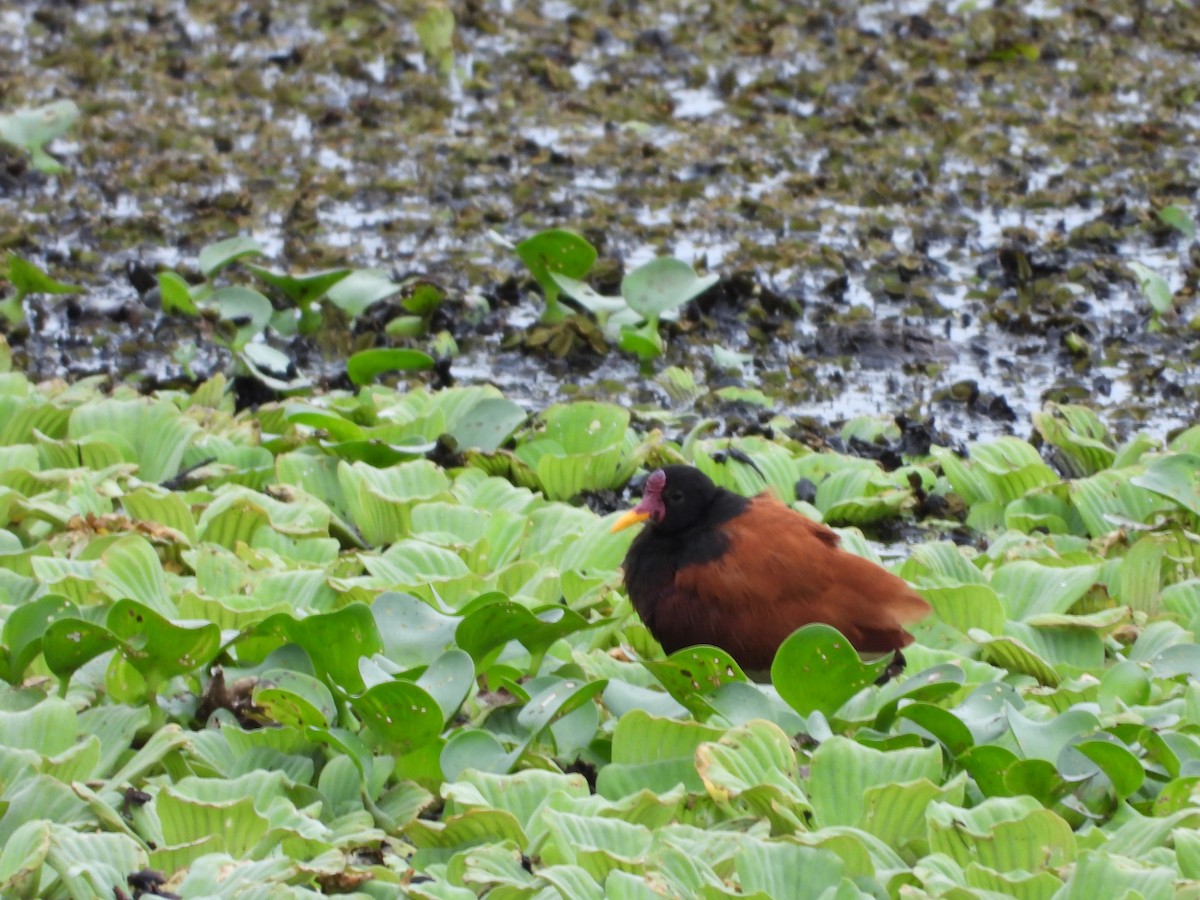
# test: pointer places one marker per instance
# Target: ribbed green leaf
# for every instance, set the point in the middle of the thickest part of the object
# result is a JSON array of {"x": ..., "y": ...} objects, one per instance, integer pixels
[
  {"x": 842, "y": 771},
  {"x": 157, "y": 432},
  {"x": 130, "y": 569},
  {"x": 1003, "y": 834}
]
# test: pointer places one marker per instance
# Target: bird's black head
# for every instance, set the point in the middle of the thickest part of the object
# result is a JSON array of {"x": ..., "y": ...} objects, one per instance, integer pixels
[{"x": 674, "y": 499}]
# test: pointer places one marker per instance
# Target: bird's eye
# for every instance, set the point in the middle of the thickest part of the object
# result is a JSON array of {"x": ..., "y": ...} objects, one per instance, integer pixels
[{"x": 675, "y": 496}]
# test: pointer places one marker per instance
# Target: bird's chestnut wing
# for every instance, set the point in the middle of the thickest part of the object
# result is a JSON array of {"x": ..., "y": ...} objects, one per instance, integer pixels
[{"x": 782, "y": 571}]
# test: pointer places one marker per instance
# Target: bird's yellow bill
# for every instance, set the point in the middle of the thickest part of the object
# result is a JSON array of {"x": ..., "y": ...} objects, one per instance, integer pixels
[{"x": 633, "y": 517}]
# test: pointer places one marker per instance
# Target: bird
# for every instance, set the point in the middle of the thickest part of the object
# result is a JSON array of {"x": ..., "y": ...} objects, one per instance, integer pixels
[{"x": 742, "y": 573}]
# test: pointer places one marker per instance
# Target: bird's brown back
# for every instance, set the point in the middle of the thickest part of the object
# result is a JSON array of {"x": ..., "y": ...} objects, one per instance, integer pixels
[{"x": 782, "y": 571}]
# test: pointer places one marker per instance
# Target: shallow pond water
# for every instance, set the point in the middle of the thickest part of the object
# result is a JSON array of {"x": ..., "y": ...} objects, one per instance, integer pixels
[{"x": 921, "y": 209}]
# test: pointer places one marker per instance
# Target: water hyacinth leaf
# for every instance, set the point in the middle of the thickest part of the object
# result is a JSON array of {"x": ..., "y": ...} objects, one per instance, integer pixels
[
  {"x": 478, "y": 750},
  {"x": 1010, "y": 653},
  {"x": 1078, "y": 435},
  {"x": 25, "y": 627},
  {"x": 334, "y": 641},
  {"x": 586, "y": 296},
  {"x": 401, "y": 713},
  {"x": 413, "y": 632},
  {"x": 690, "y": 674},
  {"x": 158, "y": 648},
  {"x": 816, "y": 668},
  {"x": 448, "y": 680},
  {"x": 130, "y": 568},
  {"x": 929, "y": 685},
  {"x": 488, "y": 424},
  {"x": 988, "y": 764},
  {"x": 654, "y": 752},
  {"x": 1172, "y": 662},
  {"x": 841, "y": 771},
  {"x": 272, "y": 367},
  {"x": 1046, "y": 740},
  {"x": 555, "y": 250},
  {"x": 492, "y": 626},
  {"x": 769, "y": 870},
  {"x": 301, "y": 289},
  {"x": 217, "y": 256},
  {"x": 176, "y": 294},
  {"x": 1176, "y": 476},
  {"x": 156, "y": 431},
  {"x": 1123, "y": 769},
  {"x": 1153, "y": 287},
  {"x": 245, "y": 307},
  {"x": 939, "y": 724},
  {"x": 967, "y": 606},
  {"x": 1038, "y": 778},
  {"x": 662, "y": 285},
  {"x": 643, "y": 342},
  {"x": 28, "y": 278},
  {"x": 559, "y": 698},
  {"x": 1002, "y": 833},
  {"x": 363, "y": 367},
  {"x": 32, "y": 129},
  {"x": 422, "y": 298},
  {"x": 361, "y": 289},
  {"x": 68, "y": 643},
  {"x": 293, "y": 698},
  {"x": 1028, "y": 588},
  {"x": 1178, "y": 218}
]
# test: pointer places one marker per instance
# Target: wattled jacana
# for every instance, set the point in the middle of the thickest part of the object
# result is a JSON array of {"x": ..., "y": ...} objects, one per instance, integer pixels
[{"x": 713, "y": 567}]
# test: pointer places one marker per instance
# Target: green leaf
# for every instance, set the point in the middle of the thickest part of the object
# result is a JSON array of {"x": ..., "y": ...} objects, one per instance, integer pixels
[
  {"x": 68, "y": 643},
  {"x": 176, "y": 294},
  {"x": 294, "y": 698},
  {"x": 29, "y": 279},
  {"x": 1178, "y": 218},
  {"x": 488, "y": 424},
  {"x": 334, "y": 641},
  {"x": 816, "y": 668},
  {"x": 448, "y": 680},
  {"x": 493, "y": 625},
  {"x": 842, "y": 771},
  {"x": 25, "y": 627},
  {"x": 130, "y": 569},
  {"x": 363, "y": 367},
  {"x": 158, "y": 648},
  {"x": 32, "y": 129},
  {"x": 435, "y": 31},
  {"x": 301, "y": 289},
  {"x": 155, "y": 431},
  {"x": 1176, "y": 476},
  {"x": 1003, "y": 834},
  {"x": 245, "y": 307},
  {"x": 403, "y": 714},
  {"x": 662, "y": 285},
  {"x": 361, "y": 289},
  {"x": 555, "y": 250},
  {"x": 690, "y": 674},
  {"x": 1153, "y": 286},
  {"x": 769, "y": 869},
  {"x": 217, "y": 256},
  {"x": 653, "y": 752}
]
